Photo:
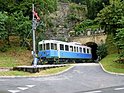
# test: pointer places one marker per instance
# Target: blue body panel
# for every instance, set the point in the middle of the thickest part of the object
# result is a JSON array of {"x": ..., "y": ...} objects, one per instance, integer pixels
[
  {"x": 75, "y": 55},
  {"x": 63, "y": 54}
]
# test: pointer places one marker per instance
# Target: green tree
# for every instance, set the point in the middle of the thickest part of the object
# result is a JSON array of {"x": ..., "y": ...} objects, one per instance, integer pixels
[
  {"x": 3, "y": 18},
  {"x": 108, "y": 19},
  {"x": 86, "y": 24},
  {"x": 93, "y": 7},
  {"x": 102, "y": 51},
  {"x": 109, "y": 16},
  {"x": 23, "y": 26},
  {"x": 119, "y": 38}
]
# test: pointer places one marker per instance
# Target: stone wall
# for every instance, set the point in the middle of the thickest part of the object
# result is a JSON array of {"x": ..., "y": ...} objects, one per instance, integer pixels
[{"x": 98, "y": 39}]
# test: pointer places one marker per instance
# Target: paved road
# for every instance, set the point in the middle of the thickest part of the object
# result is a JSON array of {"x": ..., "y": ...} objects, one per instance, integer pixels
[{"x": 81, "y": 78}]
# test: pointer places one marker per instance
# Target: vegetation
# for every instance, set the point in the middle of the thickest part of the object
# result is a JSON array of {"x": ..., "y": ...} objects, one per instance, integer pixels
[
  {"x": 15, "y": 56},
  {"x": 102, "y": 51},
  {"x": 16, "y": 21},
  {"x": 86, "y": 25},
  {"x": 119, "y": 38},
  {"x": 112, "y": 23},
  {"x": 110, "y": 65},
  {"x": 41, "y": 73}
]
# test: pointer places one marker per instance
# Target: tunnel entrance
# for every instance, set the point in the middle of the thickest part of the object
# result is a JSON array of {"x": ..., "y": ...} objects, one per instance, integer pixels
[{"x": 94, "y": 49}]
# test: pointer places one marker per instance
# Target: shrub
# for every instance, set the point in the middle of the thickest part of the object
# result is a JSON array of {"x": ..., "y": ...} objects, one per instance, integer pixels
[{"x": 102, "y": 51}]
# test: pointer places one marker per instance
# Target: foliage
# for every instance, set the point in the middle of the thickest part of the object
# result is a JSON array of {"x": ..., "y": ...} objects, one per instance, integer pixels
[
  {"x": 110, "y": 43},
  {"x": 111, "y": 23},
  {"x": 93, "y": 7},
  {"x": 3, "y": 18},
  {"x": 77, "y": 12},
  {"x": 86, "y": 24},
  {"x": 16, "y": 17},
  {"x": 119, "y": 38},
  {"x": 23, "y": 26},
  {"x": 102, "y": 51},
  {"x": 108, "y": 17}
]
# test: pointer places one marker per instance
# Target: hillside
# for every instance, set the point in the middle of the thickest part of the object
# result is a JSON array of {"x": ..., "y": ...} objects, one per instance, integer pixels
[
  {"x": 64, "y": 20},
  {"x": 15, "y": 56}
]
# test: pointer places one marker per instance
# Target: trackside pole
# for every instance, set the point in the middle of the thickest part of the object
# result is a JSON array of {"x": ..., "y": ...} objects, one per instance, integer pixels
[{"x": 35, "y": 60}]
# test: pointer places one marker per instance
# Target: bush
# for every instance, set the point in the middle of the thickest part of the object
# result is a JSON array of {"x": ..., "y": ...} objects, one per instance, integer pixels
[
  {"x": 3, "y": 48},
  {"x": 102, "y": 51}
]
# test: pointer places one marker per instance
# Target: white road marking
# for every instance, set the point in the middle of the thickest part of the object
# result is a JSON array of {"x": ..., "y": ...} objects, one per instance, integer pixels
[
  {"x": 93, "y": 91},
  {"x": 22, "y": 88},
  {"x": 14, "y": 91},
  {"x": 30, "y": 86},
  {"x": 119, "y": 88}
]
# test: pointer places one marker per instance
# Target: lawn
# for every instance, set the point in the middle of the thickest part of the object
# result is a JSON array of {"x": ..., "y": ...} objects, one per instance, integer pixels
[
  {"x": 41, "y": 73},
  {"x": 110, "y": 65},
  {"x": 15, "y": 56}
]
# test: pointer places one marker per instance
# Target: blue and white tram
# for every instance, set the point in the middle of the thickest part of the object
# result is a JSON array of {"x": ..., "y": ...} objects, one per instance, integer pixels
[{"x": 51, "y": 50}]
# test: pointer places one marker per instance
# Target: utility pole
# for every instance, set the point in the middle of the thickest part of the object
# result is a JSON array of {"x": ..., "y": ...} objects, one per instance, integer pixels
[{"x": 33, "y": 30}]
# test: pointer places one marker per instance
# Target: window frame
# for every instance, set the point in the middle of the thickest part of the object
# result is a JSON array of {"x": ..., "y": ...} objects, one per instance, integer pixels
[
  {"x": 84, "y": 50},
  {"x": 62, "y": 47}
]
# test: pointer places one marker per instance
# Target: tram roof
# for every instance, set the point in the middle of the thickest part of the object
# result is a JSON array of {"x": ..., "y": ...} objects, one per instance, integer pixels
[{"x": 61, "y": 42}]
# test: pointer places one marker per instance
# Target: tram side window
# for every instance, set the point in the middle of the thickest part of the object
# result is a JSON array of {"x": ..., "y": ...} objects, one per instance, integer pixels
[
  {"x": 41, "y": 47},
  {"x": 61, "y": 47},
  {"x": 71, "y": 48},
  {"x": 47, "y": 46},
  {"x": 88, "y": 51},
  {"x": 55, "y": 46},
  {"x": 77, "y": 49},
  {"x": 66, "y": 48},
  {"x": 52, "y": 46},
  {"x": 44, "y": 46},
  {"x": 80, "y": 50},
  {"x": 84, "y": 50},
  {"x": 74, "y": 49}
]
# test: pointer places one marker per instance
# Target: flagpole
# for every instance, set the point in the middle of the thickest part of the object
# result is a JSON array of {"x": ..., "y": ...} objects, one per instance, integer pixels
[{"x": 33, "y": 29}]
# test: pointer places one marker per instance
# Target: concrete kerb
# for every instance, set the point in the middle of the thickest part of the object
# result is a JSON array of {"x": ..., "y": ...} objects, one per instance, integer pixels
[
  {"x": 72, "y": 65},
  {"x": 39, "y": 75},
  {"x": 109, "y": 71}
]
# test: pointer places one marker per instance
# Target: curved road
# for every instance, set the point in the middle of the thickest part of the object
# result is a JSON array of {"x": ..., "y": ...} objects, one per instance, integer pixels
[{"x": 82, "y": 78}]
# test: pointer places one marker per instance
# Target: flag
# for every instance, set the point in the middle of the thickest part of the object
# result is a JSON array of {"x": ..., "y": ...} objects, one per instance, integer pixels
[{"x": 36, "y": 15}]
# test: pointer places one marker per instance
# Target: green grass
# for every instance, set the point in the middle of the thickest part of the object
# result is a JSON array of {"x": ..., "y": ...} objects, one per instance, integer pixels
[
  {"x": 15, "y": 56},
  {"x": 41, "y": 73},
  {"x": 109, "y": 64},
  {"x": 13, "y": 73}
]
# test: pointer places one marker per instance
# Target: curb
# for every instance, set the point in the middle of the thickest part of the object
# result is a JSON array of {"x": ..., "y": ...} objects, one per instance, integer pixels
[
  {"x": 5, "y": 77},
  {"x": 113, "y": 73}
]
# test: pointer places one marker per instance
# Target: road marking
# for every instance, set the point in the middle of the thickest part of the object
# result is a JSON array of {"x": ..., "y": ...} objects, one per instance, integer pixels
[
  {"x": 119, "y": 88},
  {"x": 14, "y": 91},
  {"x": 93, "y": 91},
  {"x": 30, "y": 86},
  {"x": 22, "y": 88}
]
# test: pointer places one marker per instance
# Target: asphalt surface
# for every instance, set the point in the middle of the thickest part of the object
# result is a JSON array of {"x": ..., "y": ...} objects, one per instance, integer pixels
[{"x": 82, "y": 78}]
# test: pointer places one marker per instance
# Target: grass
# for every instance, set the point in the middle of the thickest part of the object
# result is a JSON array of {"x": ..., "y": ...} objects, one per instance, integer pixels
[
  {"x": 41, "y": 73},
  {"x": 109, "y": 64},
  {"x": 15, "y": 56}
]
